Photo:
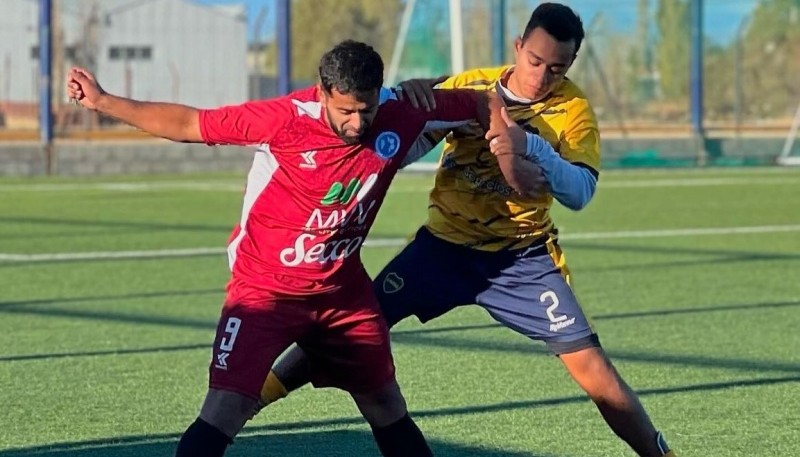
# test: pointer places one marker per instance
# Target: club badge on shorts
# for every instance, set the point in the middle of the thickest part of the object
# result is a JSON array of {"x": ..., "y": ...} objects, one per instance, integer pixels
[
  {"x": 392, "y": 283},
  {"x": 387, "y": 144}
]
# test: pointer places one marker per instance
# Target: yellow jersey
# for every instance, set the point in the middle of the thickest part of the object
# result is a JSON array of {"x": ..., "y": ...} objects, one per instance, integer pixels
[{"x": 471, "y": 203}]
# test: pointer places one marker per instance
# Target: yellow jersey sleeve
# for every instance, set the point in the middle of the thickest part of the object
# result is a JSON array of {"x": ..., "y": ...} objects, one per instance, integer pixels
[{"x": 581, "y": 140}]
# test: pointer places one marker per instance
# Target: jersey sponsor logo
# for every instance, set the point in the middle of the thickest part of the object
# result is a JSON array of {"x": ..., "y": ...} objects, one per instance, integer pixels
[
  {"x": 392, "y": 283},
  {"x": 481, "y": 183},
  {"x": 308, "y": 162},
  {"x": 340, "y": 193},
  {"x": 320, "y": 252},
  {"x": 340, "y": 219},
  {"x": 325, "y": 221},
  {"x": 387, "y": 144}
]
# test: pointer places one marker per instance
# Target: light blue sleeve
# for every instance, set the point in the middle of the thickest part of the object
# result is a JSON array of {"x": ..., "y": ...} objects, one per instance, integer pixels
[
  {"x": 386, "y": 94},
  {"x": 572, "y": 185}
]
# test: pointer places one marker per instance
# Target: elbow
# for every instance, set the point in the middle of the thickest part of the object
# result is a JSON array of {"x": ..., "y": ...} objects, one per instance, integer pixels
[
  {"x": 525, "y": 191},
  {"x": 530, "y": 192},
  {"x": 575, "y": 203},
  {"x": 532, "y": 188}
]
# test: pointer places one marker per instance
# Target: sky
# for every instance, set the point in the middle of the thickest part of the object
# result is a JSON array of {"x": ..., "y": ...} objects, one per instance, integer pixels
[{"x": 721, "y": 17}]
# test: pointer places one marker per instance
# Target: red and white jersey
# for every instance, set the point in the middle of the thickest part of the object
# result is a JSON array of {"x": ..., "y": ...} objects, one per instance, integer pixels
[{"x": 310, "y": 198}]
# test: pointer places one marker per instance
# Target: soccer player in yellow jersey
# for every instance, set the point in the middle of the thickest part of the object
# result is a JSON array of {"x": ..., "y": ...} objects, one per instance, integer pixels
[{"x": 489, "y": 239}]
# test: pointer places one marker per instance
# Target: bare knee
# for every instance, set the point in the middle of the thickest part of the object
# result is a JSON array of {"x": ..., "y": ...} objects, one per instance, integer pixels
[
  {"x": 227, "y": 411},
  {"x": 383, "y": 406},
  {"x": 594, "y": 372}
]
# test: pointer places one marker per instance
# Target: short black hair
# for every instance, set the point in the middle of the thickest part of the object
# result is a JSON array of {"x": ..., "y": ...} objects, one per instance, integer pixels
[
  {"x": 558, "y": 20},
  {"x": 351, "y": 67}
]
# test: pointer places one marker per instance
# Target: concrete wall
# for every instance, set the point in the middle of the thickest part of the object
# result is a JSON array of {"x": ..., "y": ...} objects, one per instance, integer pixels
[{"x": 111, "y": 158}]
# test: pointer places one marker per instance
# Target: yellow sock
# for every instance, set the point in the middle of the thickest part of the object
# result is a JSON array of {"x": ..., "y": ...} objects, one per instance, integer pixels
[
  {"x": 272, "y": 390},
  {"x": 670, "y": 454}
]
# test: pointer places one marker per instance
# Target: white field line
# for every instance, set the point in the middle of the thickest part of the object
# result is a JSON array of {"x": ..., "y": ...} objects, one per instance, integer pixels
[
  {"x": 696, "y": 182},
  {"x": 398, "y": 187},
  {"x": 396, "y": 242},
  {"x": 223, "y": 186}
]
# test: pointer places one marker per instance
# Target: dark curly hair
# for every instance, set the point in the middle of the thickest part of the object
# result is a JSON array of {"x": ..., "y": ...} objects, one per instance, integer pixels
[{"x": 351, "y": 67}]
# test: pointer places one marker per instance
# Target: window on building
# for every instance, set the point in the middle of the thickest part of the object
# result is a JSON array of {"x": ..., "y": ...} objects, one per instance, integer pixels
[
  {"x": 130, "y": 53},
  {"x": 70, "y": 52}
]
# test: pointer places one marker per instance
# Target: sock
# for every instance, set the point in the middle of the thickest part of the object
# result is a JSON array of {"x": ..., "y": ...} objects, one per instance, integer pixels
[
  {"x": 662, "y": 446},
  {"x": 401, "y": 439},
  {"x": 272, "y": 390},
  {"x": 202, "y": 439}
]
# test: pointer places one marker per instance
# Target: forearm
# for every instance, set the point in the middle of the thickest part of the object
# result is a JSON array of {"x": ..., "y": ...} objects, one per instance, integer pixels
[
  {"x": 491, "y": 119},
  {"x": 167, "y": 120},
  {"x": 572, "y": 185},
  {"x": 522, "y": 175}
]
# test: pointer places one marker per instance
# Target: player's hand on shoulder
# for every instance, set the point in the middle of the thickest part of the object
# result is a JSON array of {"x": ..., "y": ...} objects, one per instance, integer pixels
[
  {"x": 419, "y": 92},
  {"x": 83, "y": 87}
]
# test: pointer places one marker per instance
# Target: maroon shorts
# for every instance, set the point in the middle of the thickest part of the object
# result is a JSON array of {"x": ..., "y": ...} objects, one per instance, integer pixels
[{"x": 343, "y": 334}]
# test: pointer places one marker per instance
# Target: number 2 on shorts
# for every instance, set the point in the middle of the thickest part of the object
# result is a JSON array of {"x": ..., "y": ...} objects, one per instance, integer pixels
[{"x": 552, "y": 297}]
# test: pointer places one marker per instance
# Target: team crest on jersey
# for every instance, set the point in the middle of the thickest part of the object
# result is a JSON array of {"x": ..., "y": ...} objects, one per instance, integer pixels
[
  {"x": 387, "y": 144},
  {"x": 392, "y": 283}
]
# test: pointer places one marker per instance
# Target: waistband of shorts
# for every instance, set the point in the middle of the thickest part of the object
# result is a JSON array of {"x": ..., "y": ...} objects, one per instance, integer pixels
[{"x": 536, "y": 248}]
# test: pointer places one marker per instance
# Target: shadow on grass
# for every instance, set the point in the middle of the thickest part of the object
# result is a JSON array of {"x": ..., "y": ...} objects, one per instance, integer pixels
[
  {"x": 144, "y": 227},
  {"x": 298, "y": 439},
  {"x": 455, "y": 337},
  {"x": 338, "y": 443},
  {"x": 112, "y": 298}
]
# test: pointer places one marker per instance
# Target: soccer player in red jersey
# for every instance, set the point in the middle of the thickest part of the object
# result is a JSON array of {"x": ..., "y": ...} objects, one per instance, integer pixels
[{"x": 326, "y": 157}]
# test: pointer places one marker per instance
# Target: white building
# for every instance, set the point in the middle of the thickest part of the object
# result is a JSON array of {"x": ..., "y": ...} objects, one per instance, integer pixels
[{"x": 167, "y": 50}]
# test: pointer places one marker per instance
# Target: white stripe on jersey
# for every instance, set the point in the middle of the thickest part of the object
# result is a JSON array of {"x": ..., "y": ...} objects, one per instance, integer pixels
[{"x": 264, "y": 166}]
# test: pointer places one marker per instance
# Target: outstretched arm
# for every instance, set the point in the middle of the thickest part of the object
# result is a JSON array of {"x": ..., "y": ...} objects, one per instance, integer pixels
[{"x": 167, "y": 120}]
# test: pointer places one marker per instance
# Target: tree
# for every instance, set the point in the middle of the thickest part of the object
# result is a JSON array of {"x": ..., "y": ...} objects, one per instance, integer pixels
[
  {"x": 318, "y": 26},
  {"x": 478, "y": 34},
  {"x": 771, "y": 58},
  {"x": 672, "y": 51},
  {"x": 719, "y": 86}
]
